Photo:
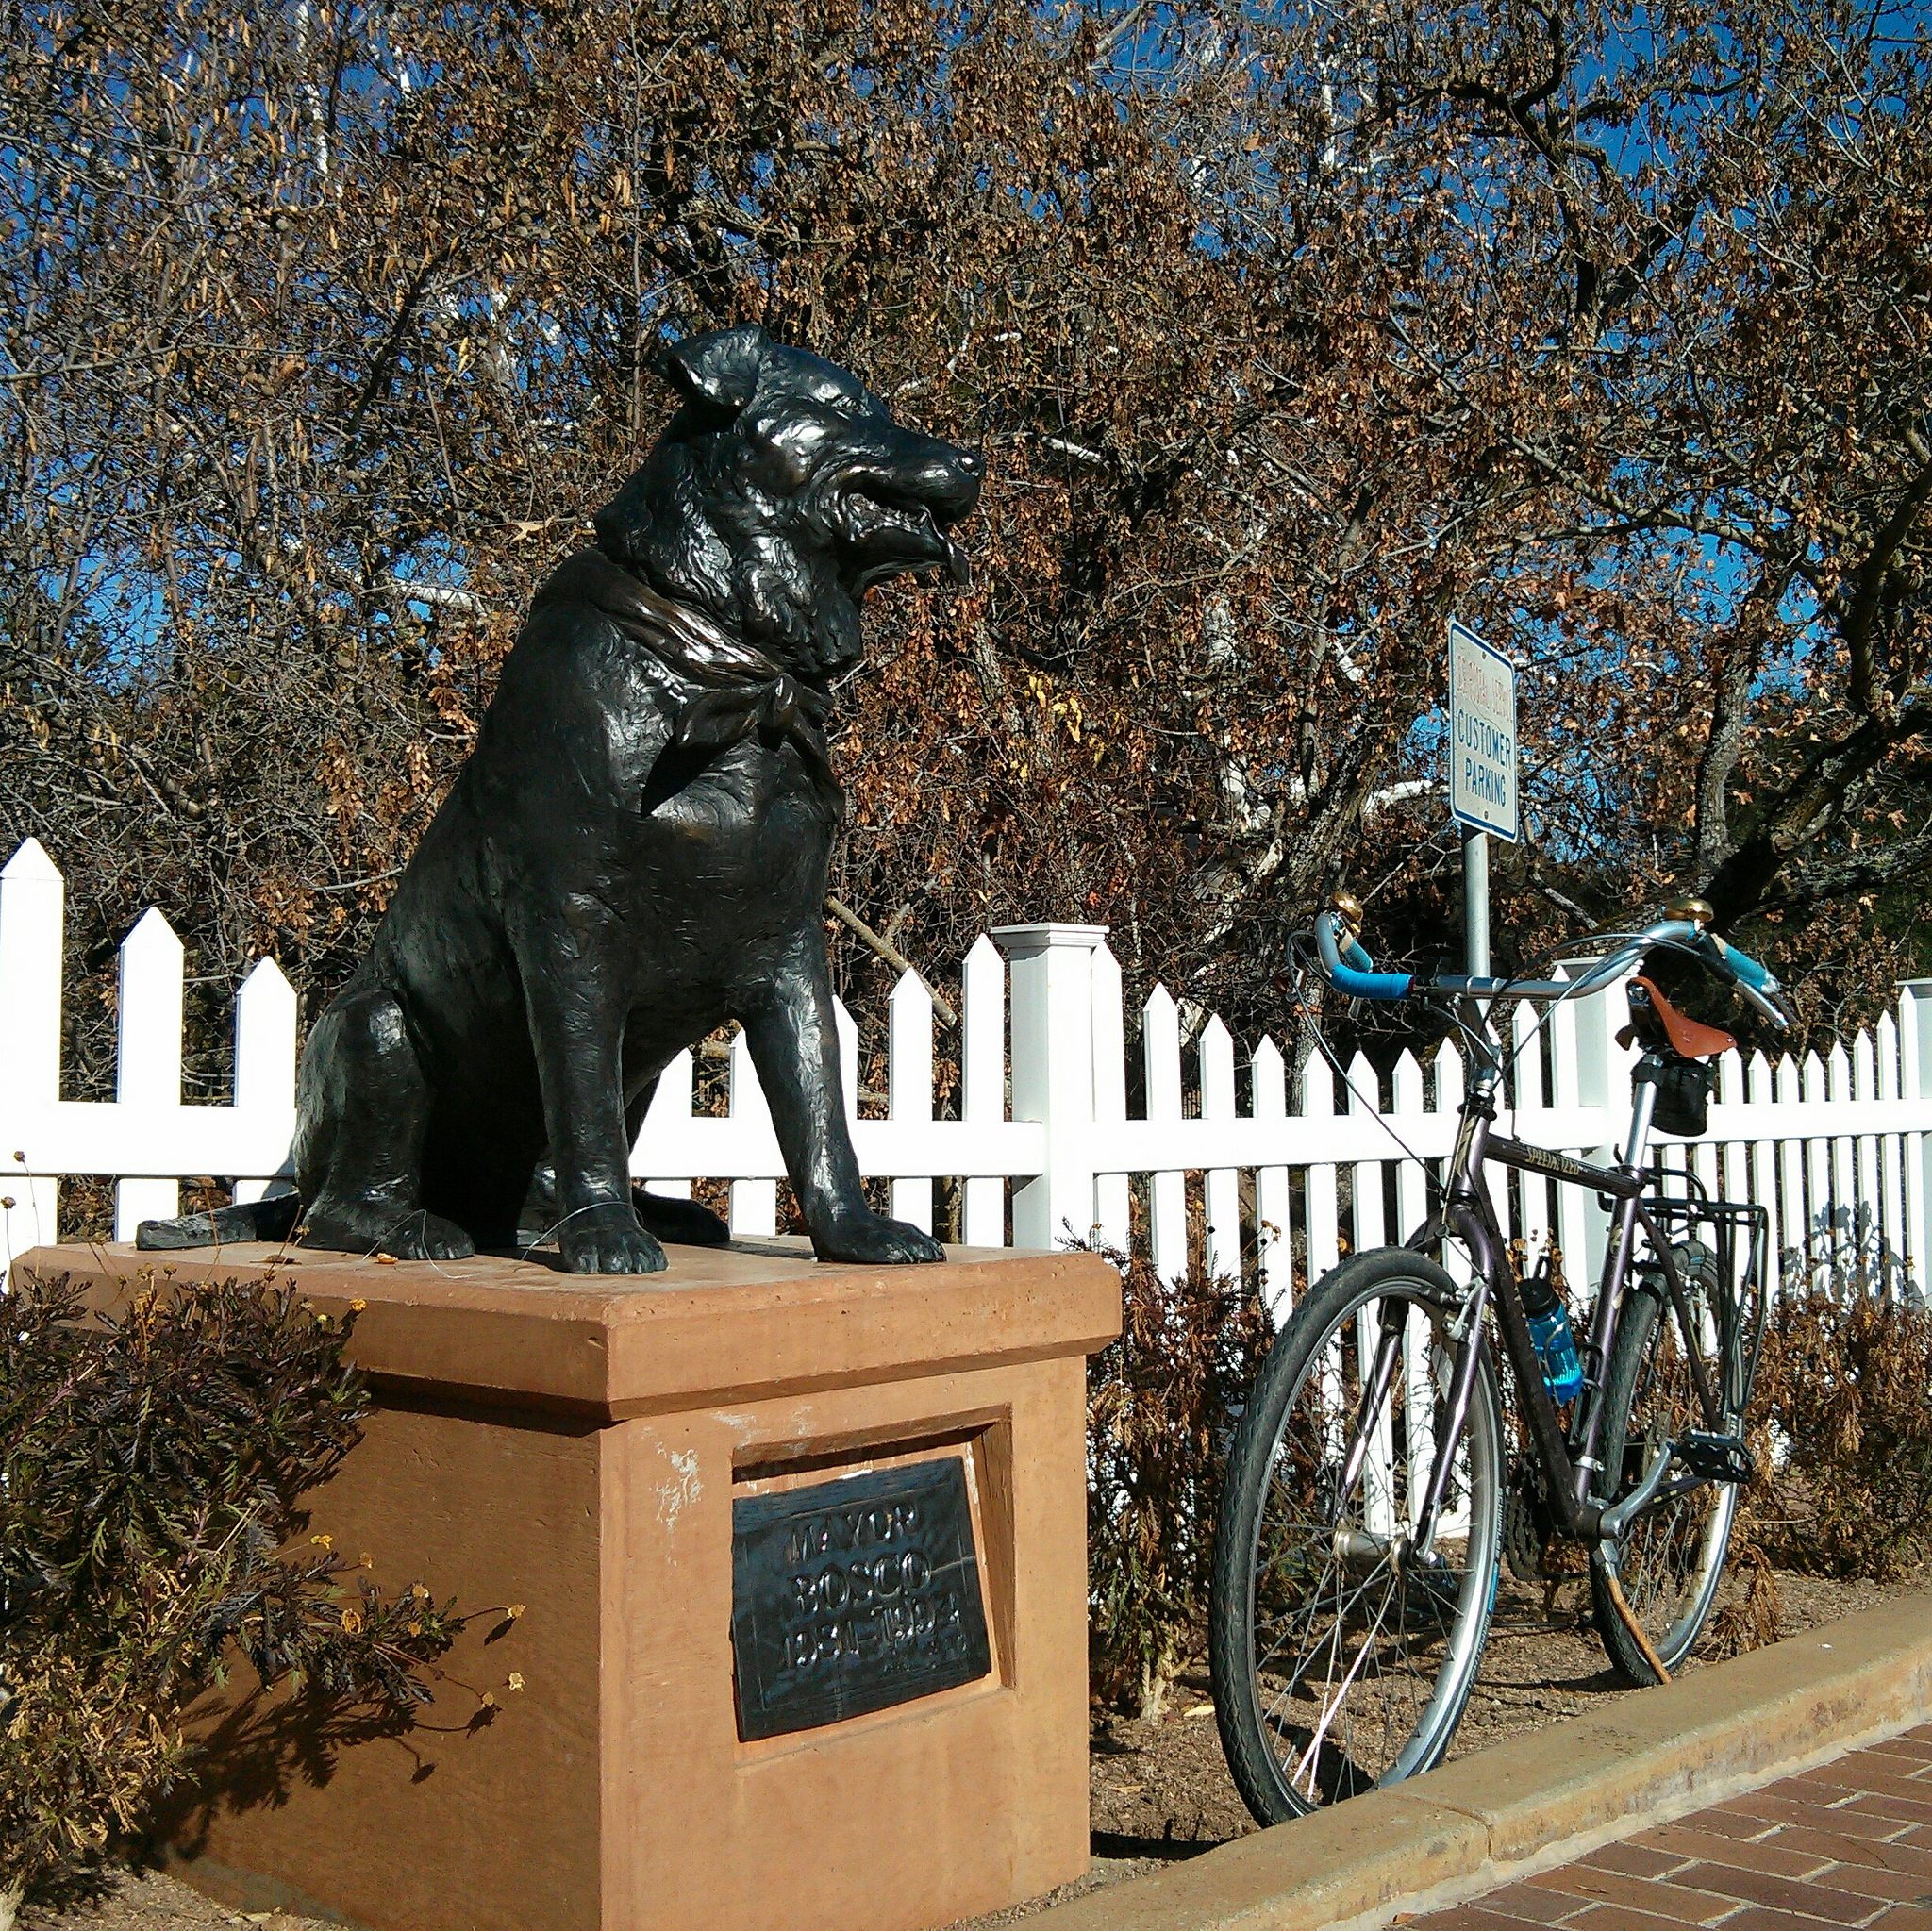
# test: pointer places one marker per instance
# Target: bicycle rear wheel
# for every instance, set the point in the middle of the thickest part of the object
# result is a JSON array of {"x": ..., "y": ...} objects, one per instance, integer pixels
[
  {"x": 1339, "y": 1660},
  {"x": 1673, "y": 1559}
]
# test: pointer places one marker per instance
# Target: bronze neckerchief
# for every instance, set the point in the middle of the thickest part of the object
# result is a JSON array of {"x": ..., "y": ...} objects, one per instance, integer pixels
[{"x": 743, "y": 689}]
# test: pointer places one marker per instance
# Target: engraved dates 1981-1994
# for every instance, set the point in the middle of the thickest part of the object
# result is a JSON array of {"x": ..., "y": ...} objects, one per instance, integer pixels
[{"x": 853, "y": 1594}]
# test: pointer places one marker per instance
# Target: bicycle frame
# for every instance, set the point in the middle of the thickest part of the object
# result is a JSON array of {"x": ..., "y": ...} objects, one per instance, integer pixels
[{"x": 1572, "y": 1461}]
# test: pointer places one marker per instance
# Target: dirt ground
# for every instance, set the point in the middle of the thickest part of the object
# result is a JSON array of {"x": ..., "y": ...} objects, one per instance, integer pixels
[{"x": 1160, "y": 1789}]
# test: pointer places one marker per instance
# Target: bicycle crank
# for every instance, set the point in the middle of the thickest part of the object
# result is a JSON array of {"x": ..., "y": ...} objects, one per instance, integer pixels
[{"x": 1705, "y": 1457}]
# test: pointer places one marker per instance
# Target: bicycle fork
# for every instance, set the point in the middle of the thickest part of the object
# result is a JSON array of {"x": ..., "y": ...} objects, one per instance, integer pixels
[{"x": 1451, "y": 1417}]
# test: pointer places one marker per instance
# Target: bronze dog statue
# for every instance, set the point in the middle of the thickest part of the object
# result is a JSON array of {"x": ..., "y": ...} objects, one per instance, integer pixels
[{"x": 635, "y": 851}]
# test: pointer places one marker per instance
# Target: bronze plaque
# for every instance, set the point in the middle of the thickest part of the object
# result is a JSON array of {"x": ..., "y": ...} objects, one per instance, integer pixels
[{"x": 853, "y": 1594}]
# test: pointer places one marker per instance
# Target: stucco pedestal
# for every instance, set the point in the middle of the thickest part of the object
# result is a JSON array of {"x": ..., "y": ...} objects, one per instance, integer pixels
[{"x": 575, "y": 1446}]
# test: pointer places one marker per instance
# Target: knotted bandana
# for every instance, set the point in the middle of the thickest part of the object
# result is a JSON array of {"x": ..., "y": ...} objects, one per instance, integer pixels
[{"x": 743, "y": 689}]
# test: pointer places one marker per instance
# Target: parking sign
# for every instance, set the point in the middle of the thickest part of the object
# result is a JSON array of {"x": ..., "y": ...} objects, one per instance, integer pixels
[{"x": 1482, "y": 735}]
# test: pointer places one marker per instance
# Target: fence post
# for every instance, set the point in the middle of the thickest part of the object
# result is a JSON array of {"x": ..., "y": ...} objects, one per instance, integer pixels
[
  {"x": 1112, "y": 1193},
  {"x": 32, "y": 901},
  {"x": 1050, "y": 991},
  {"x": 1915, "y": 1083},
  {"x": 983, "y": 1083}
]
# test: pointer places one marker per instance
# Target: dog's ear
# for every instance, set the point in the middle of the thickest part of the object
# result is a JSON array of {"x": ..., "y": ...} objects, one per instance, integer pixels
[{"x": 716, "y": 373}]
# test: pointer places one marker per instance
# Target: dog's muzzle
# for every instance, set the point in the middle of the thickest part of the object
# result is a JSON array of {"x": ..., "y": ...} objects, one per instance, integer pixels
[{"x": 893, "y": 516}]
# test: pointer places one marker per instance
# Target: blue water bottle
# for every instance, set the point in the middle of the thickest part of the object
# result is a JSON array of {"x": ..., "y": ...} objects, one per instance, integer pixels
[{"x": 1549, "y": 1328}]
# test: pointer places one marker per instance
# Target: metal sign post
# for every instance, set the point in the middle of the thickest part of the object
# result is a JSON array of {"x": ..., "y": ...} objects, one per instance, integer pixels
[{"x": 1482, "y": 773}]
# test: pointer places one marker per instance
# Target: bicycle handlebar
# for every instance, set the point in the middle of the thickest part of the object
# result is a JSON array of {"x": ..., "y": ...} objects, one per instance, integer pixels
[
  {"x": 1347, "y": 966},
  {"x": 1350, "y": 969}
]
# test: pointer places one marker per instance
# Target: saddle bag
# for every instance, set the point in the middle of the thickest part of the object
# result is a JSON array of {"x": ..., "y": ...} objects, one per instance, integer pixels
[{"x": 1683, "y": 1096}]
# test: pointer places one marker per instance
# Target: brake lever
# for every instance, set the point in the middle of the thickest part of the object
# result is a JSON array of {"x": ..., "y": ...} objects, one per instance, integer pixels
[{"x": 1770, "y": 1004}]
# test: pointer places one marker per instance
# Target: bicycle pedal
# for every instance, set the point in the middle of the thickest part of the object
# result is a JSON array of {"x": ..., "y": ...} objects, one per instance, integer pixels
[{"x": 1715, "y": 1457}]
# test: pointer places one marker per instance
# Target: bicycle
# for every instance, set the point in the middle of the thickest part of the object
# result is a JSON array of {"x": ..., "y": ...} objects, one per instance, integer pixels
[{"x": 1357, "y": 1549}]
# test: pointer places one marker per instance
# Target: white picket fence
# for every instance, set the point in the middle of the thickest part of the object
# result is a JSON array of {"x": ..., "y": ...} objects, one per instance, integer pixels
[{"x": 1292, "y": 1167}]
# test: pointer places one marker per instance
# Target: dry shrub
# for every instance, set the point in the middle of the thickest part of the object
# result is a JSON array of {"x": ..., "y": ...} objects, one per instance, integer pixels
[
  {"x": 151, "y": 1471},
  {"x": 1161, "y": 1406},
  {"x": 1754, "y": 1619},
  {"x": 1845, "y": 1390}
]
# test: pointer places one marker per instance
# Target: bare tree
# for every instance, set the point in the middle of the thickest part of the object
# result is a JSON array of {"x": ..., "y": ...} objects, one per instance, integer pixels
[{"x": 1287, "y": 335}]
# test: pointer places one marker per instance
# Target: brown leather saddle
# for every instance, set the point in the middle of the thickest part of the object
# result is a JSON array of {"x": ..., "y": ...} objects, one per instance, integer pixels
[{"x": 1654, "y": 1022}]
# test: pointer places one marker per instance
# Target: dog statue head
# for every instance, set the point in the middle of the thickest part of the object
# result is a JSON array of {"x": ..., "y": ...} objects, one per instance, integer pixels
[{"x": 780, "y": 491}]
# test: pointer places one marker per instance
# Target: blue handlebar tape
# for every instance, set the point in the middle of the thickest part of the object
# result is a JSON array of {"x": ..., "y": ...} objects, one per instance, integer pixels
[
  {"x": 1356, "y": 975},
  {"x": 1754, "y": 976},
  {"x": 1372, "y": 985}
]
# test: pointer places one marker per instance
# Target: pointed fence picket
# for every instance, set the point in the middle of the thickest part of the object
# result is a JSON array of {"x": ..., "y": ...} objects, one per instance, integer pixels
[
  {"x": 147, "y": 1068},
  {"x": 31, "y": 900},
  {"x": 1167, "y": 1211},
  {"x": 265, "y": 1023},
  {"x": 1072, "y": 1119},
  {"x": 1323, "y": 1223},
  {"x": 1365, "y": 1104},
  {"x": 1764, "y": 1161},
  {"x": 670, "y": 1106},
  {"x": 1864, "y": 1191},
  {"x": 1891, "y": 1198},
  {"x": 1273, "y": 1235},
  {"x": 1221, "y": 1186},
  {"x": 908, "y": 1084}
]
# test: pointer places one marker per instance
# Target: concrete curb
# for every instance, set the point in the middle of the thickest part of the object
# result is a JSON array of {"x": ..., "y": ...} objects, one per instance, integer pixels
[{"x": 1544, "y": 1799}]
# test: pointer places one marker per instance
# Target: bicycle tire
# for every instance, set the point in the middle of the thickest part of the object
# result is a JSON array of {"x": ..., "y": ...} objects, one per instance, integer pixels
[
  {"x": 1673, "y": 1558},
  {"x": 1293, "y": 1747}
]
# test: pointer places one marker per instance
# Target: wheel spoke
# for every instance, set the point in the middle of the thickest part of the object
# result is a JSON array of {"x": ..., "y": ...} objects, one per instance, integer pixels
[
  {"x": 1674, "y": 1556},
  {"x": 1356, "y": 1665}
]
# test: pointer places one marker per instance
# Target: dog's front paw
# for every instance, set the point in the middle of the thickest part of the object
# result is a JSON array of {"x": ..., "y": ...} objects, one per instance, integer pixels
[
  {"x": 607, "y": 1240},
  {"x": 865, "y": 1236}
]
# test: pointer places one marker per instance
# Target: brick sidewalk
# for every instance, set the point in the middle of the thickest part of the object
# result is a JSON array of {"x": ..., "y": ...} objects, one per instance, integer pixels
[{"x": 1848, "y": 1845}]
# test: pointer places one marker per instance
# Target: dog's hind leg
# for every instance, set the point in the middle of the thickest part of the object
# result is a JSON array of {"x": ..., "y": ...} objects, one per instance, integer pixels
[
  {"x": 684, "y": 1223},
  {"x": 362, "y": 1112},
  {"x": 255, "y": 1220}
]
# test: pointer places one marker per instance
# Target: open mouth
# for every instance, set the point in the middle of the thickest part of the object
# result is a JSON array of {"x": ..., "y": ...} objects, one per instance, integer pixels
[{"x": 888, "y": 538}]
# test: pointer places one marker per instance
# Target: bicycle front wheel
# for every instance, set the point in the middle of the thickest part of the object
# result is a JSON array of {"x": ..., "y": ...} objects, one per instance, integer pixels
[
  {"x": 1341, "y": 1660},
  {"x": 1673, "y": 1558}
]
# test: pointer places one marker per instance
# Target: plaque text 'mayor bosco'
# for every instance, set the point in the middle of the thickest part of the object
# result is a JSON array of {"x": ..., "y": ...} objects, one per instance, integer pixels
[{"x": 853, "y": 1594}]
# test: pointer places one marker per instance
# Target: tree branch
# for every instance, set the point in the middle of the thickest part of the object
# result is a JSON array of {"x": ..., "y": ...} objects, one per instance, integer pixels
[{"x": 884, "y": 949}]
